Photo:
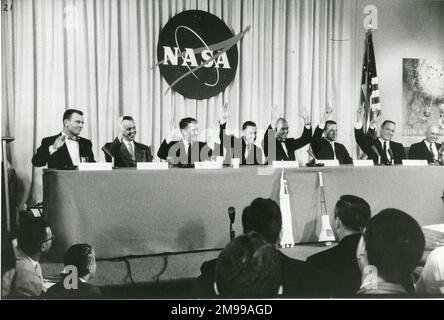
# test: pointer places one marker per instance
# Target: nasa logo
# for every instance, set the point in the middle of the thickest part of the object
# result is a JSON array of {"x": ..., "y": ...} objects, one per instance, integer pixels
[{"x": 197, "y": 54}]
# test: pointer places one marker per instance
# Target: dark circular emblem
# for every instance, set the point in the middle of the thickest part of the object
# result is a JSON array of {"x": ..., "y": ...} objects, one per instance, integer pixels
[{"x": 192, "y": 57}]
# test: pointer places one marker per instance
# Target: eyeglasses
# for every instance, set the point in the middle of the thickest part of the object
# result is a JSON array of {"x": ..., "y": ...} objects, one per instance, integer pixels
[{"x": 50, "y": 239}]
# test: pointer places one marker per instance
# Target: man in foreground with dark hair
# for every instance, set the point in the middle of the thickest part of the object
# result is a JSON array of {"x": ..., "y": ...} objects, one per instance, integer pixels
[
  {"x": 65, "y": 150},
  {"x": 34, "y": 239},
  {"x": 80, "y": 267},
  {"x": 338, "y": 269},
  {"x": 184, "y": 148},
  {"x": 264, "y": 217},
  {"x": 389, "y": 250},
  {"x": 248, "y": 267}
]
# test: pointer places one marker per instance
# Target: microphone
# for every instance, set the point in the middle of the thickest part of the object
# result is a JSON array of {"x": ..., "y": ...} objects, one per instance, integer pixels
[
  {"x": 231, "y": 215},
  {"x": 310, "y": 152},
  {"x": 377, "y": 153},
  {"x": 108, "y": 153}
]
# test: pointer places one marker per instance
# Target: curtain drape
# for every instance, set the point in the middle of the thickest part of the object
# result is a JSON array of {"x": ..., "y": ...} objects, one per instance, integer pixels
[{"x": 97, "y": 56}]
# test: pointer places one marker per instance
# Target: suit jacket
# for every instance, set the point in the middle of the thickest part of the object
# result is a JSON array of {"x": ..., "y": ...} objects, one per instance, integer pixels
[
  {"x": 61, "y": 158},
  {"x": 290, "y": 143},
  {"x": 122, "y": 157},
  {"x": 28, "y": 280},
  {"x": 366, "y": 141},
  {"x": 298, "y": 278},
  {"x": 84, "y": 290},
  {"x": 236, "y": 148},
  {"x": 200, "y": 151},
  {"x": 338, "y": 269},
  {"x": 323, "y": 151},
  {"x": 419, "y": 151}
]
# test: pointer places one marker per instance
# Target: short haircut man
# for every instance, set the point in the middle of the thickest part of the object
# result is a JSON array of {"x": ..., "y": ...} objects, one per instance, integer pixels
[
  {"x": 387, "y": 122},
  {"x": 183, "y": 123},
  {"x": 249, "y": 266},
  {"x": 69, "y": 112},
  {"x": 353, "y": 212},
  {"x": 31, "y": 234},
  {"x": 394, "y": 244},
  {"x": 247, "y": 124}
]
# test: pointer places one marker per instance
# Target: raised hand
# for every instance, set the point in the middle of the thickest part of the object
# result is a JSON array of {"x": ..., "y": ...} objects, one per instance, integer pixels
[
  {"x": 375, "y": 116},
  {"x": 360, "y": 113},
  {"x": 174, "y": 133},
  {"x": 59, "y": 142},
  {"x": 327, "y": 113},
  {"x": 305, "y": 115}
]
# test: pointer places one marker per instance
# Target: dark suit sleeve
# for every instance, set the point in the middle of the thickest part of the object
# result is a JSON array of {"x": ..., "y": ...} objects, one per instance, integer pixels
[
  {"x": 162, "y": 153},
  {"x": 41, "y": 157},
  {"x": 149, "y": 154},
  {"x": 347, "y": 158},
  {"x": 269, "y": 132},
  {"x": 303, "y": 140},
  {"x": 205, "y": 151},
  {"x": 364, "y": 141},
  {"x": 90, "y": 152},
  {"x": 412, "y": 152},
  {"x": 316, "y": 141}
]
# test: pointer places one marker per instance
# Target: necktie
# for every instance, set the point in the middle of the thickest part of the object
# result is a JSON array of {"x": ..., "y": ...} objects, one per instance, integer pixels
[
  {"x": 432, "y": 152},
  {"x": 385, "y": 150},
  {"x": 131, "y": 150},
  {"x": 189, "y": 153},
  {"x": 334, "y": 152},
  {"x": 73, "y": 138}
]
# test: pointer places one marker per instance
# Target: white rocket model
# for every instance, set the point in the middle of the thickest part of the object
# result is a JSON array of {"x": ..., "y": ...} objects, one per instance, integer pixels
[
  {"x": 287, "y": 240},
  {"x": 326, "y": 234}
]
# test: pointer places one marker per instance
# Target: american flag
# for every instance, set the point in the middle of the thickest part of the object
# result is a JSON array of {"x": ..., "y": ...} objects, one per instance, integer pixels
[{"x": 369, "y": 83}]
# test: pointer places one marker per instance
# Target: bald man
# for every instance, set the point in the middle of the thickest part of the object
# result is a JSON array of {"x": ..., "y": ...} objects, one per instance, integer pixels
[
  {"x": 428, "y": 149},
  {"x": 276, "y": 144}
]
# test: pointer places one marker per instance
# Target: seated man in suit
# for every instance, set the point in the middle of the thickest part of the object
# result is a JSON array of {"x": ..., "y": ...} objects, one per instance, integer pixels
[
  {"x": 381, "y": 150},
  {"x": 243, "y": 147},
  {"x": 80, "y": 264},
  {"x": 124, "y": 149},
  {"x": 276, "y": 144},
  {"x": 65, "y": 150},
  {"x": 338, "y": 269},
  {"x": 389, "y": 250},
  {"x": 34, "y": 240},
  {"x": 429, "y": 148},
  {"x": 248, "y": 267},
  {"x": 184, "y": 148},
  {"x": 264, "y": 216}
]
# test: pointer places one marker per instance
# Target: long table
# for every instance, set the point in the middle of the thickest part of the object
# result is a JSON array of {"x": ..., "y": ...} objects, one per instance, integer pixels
[{"x": 127, "y": 212}]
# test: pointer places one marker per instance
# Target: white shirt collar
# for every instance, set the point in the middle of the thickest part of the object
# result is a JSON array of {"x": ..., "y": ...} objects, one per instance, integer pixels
[{"x": 128, "y": 142}]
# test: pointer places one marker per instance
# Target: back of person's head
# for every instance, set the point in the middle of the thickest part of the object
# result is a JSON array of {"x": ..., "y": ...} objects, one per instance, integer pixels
[
  {"x": 248, "y": 267},
  {"x": 263, "y": 216},
  {"x": 82, "y": 257},
  {"x": 353, "y": 212},
  {"x": 31, "y": 235},
  {"x": 248, "y": 124},
  {"x": 183, "y": 123},
  {"x": 394, "y": 243},
  {"x": 68, "y": 113}
]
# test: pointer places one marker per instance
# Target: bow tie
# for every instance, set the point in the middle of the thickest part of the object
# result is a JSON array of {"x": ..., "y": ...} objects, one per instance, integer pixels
[{"x": 73, "y": 138}]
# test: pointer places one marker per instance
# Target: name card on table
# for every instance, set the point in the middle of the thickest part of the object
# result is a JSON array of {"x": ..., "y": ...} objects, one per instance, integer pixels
[
  {"x": 414, "y": 162},
  {"x": 152, "y": 165},
  {"x": 285, "y": 164},
  {"x": 363, "y": 163},
  {"x": 208, "y": 165},
  {"x": 329, "y": 163},
  {"x": 95, "y": 166}
]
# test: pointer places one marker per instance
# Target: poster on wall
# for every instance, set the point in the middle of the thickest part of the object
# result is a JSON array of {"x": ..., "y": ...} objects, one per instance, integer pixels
[{"x": 422, "y": 95}]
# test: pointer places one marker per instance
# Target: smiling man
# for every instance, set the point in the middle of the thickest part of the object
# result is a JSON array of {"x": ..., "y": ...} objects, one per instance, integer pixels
[
  {"x": 381, "y": 150},
  {"x": 64, "y": 150},
  {"x": 429, "y": 148},
  {"x": 124, "y": 149}
]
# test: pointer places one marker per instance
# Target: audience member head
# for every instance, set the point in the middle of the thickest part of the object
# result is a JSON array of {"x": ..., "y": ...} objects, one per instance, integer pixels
[
  {"x": 81, "y": 256},
  {"x": 128, "y": 128},
  {"x": 34, "y": 237},
  {"x": 351, "y": 215},
  {"x": 249, "y": 131},
  {"x": 432, "y": 134},
  {"x": 263, "y": 216},
  {"x": 281, "y": 129},
  {"x": 189, "y": 127},
  {"x": 72, "y": 122},
  {"x": 248, "y": 267},
  {"x": 392, "y": 242},
  {"x": 331, "y": 130},
  {"x": 388, "y": 128}
]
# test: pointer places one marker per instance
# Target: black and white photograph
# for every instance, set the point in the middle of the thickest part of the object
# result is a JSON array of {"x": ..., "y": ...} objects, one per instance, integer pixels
[{"x": 235, "y": 151}]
